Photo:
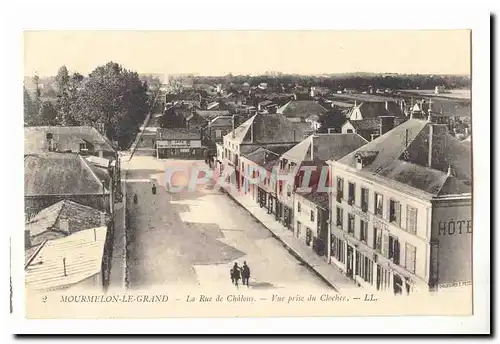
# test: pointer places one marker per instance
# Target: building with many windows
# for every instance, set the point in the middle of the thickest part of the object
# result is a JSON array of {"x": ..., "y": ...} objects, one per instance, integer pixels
[{"x": 401, "y": 210}]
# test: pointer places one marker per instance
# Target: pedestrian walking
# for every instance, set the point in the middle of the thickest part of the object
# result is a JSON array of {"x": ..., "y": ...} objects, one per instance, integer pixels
[
  {"x": 153, "y": 189},
  {"x": 245, "y": 274},
  {"x": 235, "y": 274},
  {"x": 135, "y": 198}
]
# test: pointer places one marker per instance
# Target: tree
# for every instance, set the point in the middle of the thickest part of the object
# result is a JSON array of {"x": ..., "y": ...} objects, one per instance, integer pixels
[
  {"x": 48, "y": 114},
  {"x": 333, "y": 119},
  {"x": 29, "y": 109},
  {"x": 113, "y": 97},
  {"x": 63, "y": 96}
]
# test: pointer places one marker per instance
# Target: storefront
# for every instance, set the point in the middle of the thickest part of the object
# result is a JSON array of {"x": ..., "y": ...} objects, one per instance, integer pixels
[{"x": 181, "y": 153}]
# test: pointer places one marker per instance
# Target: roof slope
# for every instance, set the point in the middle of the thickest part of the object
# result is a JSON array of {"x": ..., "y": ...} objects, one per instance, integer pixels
[
  {"x": 325, "y": 147},
  {"x": 79, "y": 217},
  {"x": 302, "y": 109},
  {"x": 35, "y": 138},
  {"x": 82, "y": 253},
  {"x": 377, "y": 109},
  {"x": 269, "y": 128},
  {"x": 402, "y": 154},
  {"x": 60, "y": 174}
]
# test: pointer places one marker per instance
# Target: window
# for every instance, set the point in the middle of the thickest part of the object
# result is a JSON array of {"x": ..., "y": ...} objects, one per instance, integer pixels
[
  {"x": 411, "y": 219},
  {"x": 395, "y": 212},
  {"x": 340, "y": 188},
  {"x": 379, "y": 205},
  {"x": 377, "y": 239},
  {"x": 298, "y": 207},
  {"x": 340, "y": 217},
  {"x": 363, "y": 231},
  {"x": 411, "y": 256},
  {"x": 312, "y": 215},
  {"x": 337, "y": 249},
  {"x": 364, "y": 199},
  {"x": 298, "y": 228},
  {"x": 352, "y": 193},
  {"x": 394, "y": 249},
  {"x": 364, "y": 268},
  {"x": 288, "y": 190},
  {"x": 308, "y": 236},
  {"x": 349, "y": 131},
  {"x": 83, "y": 146},
  {"x": 350, "y": 223}
]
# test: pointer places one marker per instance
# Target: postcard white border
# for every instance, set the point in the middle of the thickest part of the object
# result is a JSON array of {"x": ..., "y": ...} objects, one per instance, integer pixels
[{"x": 256, "y": 15}]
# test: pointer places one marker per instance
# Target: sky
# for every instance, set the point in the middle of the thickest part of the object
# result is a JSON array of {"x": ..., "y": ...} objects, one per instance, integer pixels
[{"x": 250, "y": 52}]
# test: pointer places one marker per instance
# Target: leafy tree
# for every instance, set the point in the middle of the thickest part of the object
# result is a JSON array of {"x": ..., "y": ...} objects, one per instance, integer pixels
[
  {"x": 334, "y": 118},
  {"x": 48, "y": 114},
  {"x": 113, "y": 97},
  {"x": 29, "y": 109}
]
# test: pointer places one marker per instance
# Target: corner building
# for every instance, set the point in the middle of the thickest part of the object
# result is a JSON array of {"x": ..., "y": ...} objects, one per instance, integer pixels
[{"x": 401, "y": 216}]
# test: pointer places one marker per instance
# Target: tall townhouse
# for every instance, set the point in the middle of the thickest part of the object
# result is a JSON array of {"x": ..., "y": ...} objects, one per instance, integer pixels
[
  {"x": 261, "y": 130},
  {"x": 313, "y": 152},
  {"x": 401, "y": 210}
]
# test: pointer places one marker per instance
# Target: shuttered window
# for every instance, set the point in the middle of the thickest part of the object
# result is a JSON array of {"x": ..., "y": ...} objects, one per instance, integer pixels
[
  {"x": 411, "y": 256},
  {"x": 411, "y": 219},
  {"x": 379, "y": 205},
  {"x": 395, "y": 212}
]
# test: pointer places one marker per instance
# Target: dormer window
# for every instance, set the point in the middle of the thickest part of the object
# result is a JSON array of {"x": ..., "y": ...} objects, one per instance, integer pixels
[
  {"x": 365, "y": 158},
  {"x": 83, "y": 146}
]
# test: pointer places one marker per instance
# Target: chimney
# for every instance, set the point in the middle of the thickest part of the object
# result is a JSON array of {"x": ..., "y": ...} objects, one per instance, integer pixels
[
  {"x": 386, "y": 124},
  {"x": 437, "y": 146},
  {"x": 401, "y": 105},
  {"x": 27, "y": 239},
  {"x": 355, "y": 103},
  {"x": 64, "y": 225},
  {"x": 293, "y": 130},
  {"x": 449, "y": 173},
  {"x": 232, "y": 122},
  {"x": 431, "y": 134},
  {"x": 387, "y": 105}
]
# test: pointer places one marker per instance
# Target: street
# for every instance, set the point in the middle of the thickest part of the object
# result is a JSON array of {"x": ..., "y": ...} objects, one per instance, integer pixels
[{"x": 193, "y": 238}]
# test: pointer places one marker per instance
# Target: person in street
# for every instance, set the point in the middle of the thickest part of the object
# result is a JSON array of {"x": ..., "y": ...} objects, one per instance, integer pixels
[
  {"x": 135, "y": 198},
  {"x": 153, "y": 189},
  {"x": 235, "y": 274},
  {"x": 245, "y": 274}
]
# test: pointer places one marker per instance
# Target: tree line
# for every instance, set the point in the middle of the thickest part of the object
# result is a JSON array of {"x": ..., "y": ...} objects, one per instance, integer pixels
[
  {"x": 360, "y": 81},
  {"x": 113, "y": 99}
]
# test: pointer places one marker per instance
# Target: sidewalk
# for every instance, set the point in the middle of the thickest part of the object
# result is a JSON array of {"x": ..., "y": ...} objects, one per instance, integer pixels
[
  {"x": 119, "y": 263},
  {"x": 329, "y": 273}
]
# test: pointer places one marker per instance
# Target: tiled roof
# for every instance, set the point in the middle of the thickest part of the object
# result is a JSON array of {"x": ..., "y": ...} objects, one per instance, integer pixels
[
  {"x": 61, "y": 174},
  {"x": 35, "y": 140},
  {"x": 402, "y": 157},
  {"x": 446, "y": 107},
  {"x": 373, "y": 123},
  {"x": 177, "y": 134},
  {"x": 79, "y": 217},
  {"x": 80, "y": 254},
  {"x": 302, "y": 109},
  {"x": 270, "y": 128},
  {"x": 266, "y": 154},
  {"x": 377, "y": 109},
  {"x": 319, "y": 198},
  {"x": 326, "y": 147}
]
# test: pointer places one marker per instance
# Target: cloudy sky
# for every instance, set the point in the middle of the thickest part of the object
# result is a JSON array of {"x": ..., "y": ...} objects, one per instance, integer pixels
[{"x": 250, "y": 52}]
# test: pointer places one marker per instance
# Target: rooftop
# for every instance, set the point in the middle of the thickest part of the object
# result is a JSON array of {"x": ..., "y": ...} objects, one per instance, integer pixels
[
  {"x": 400, "y": 158},
  {"x": 79, "y": 217},
  {"x": 319, "y": 198},
  {"x": 35, "y": 138},
  {"x": 269, "y": 128},
  {"x": 301, "y": 108},
  {"x": 178, "y": 134},
  {"x": 325, "y": 147},
  {"x": 80, "y": 254},
  {"x": 62, "y": 174},
  {"x": 376, "y": 109}
]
